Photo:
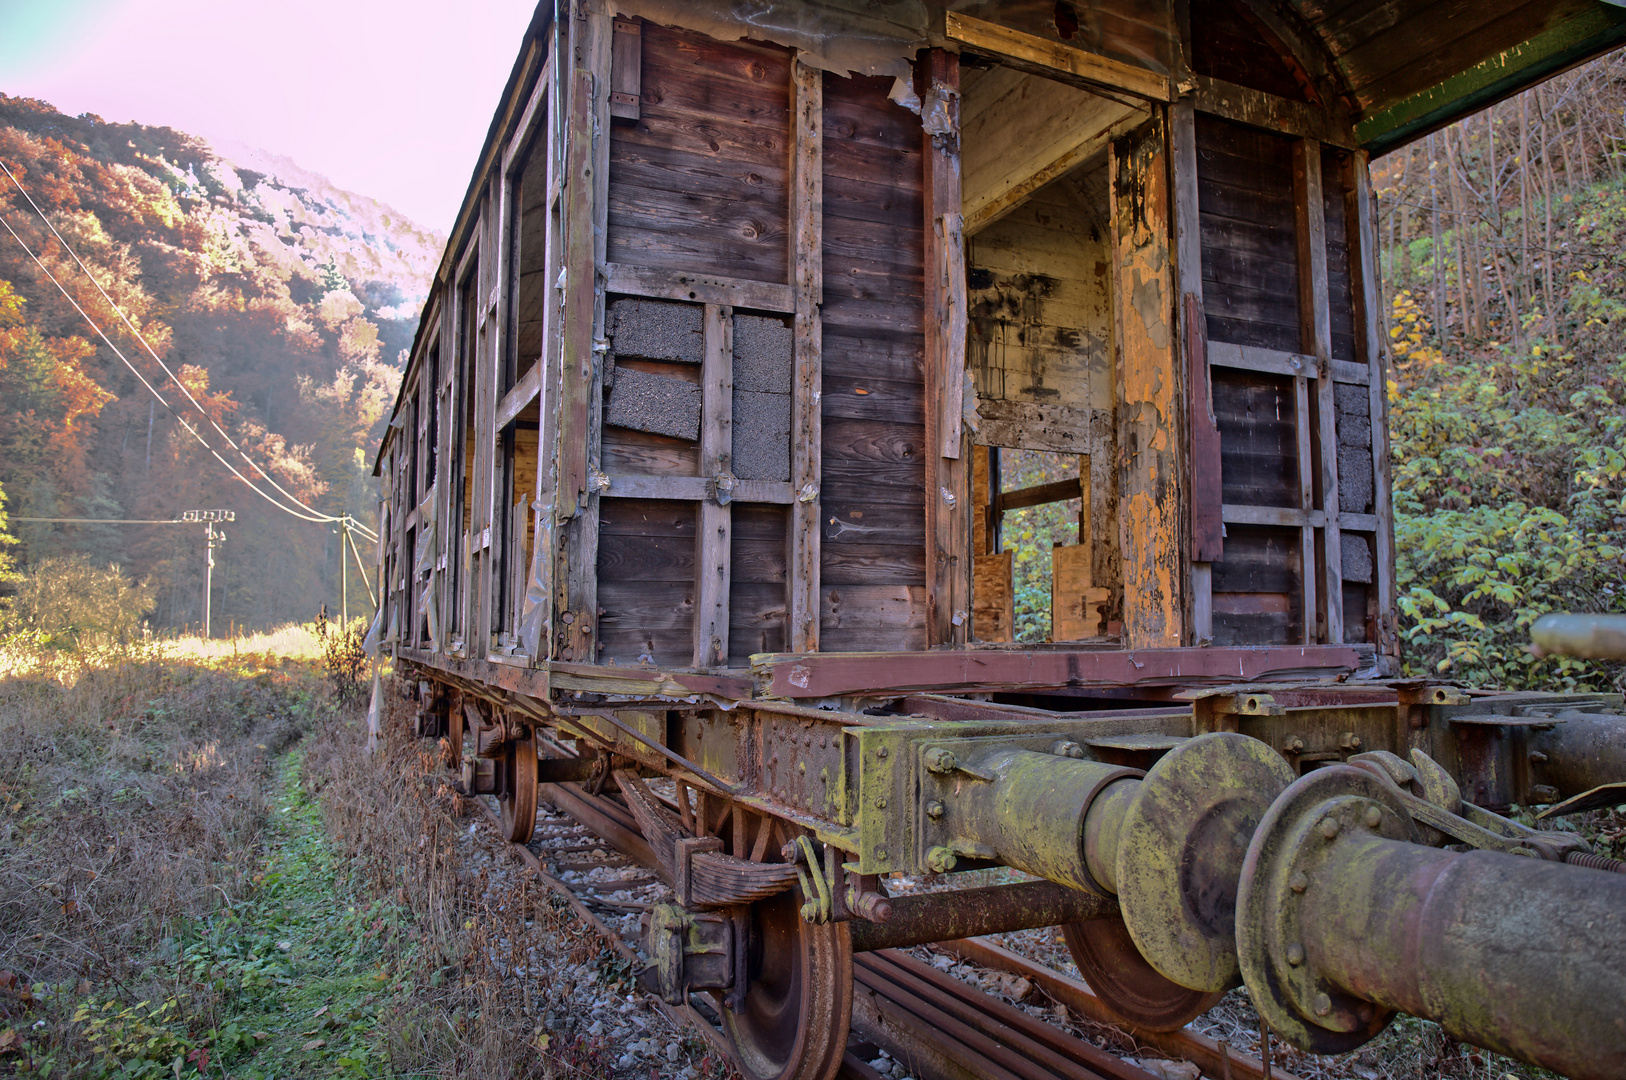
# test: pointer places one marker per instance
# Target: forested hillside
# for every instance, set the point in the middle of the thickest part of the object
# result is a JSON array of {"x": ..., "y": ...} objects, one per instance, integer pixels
[
  {"x": 281, "y": 302},
  {"x": 1505, "y": 265}
]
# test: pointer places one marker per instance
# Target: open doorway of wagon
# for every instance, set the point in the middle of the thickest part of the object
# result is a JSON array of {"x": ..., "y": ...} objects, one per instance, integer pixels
[{"x": 1040, "y": 349}]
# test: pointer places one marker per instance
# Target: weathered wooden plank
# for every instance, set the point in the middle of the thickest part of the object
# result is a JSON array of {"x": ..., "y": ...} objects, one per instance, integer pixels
[
  {"x": 1277, "y": 114},
  {"x": 948, "y": 490},
  {"x": 1150, "y": 440},
  {"x": 1054, "y": 60},
  {"x": 1205, "y": 478},
  {"x": 523, "y": 393},
  {"x": 1022, "y": 131},
  {"x": 665, "y": 284},
  {"x": 1075, "y": 602},
  {"x": 827, "y": 675},
  {"x": 993, "y": 600},
  {"x": 714, "y": 542},
  {"x": 640, "y": 453},
  {"x": 695, "y": 489},
  {"x": 1268, "y": 361},
  {"x": 1370, "y": 335},
  {"x": 806, "y": 262},
  {"x": 1315, "y": 307},
  {"x": 626, "y": 66},
  {"x": 586, "y": 210},
  {"x": 1306, "y": 470}
]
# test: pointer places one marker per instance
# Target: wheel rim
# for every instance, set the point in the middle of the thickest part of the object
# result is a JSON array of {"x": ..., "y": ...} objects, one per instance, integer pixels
[
  {"x": 1107, "y": 958},
  {"x": 518, "y": 800},
  {"x": 794, "y": 1021}
]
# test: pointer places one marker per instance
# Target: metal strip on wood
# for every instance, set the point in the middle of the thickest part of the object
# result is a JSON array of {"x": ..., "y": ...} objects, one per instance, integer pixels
[
  {"x": 1315, "y": 315},
  {"x": 807, "y": 286},
  {"x": 948, "y": 532},
  {"x": 712, "y": 539}
]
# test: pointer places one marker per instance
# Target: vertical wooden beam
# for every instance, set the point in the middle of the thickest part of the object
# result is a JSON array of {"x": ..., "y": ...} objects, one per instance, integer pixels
[
  {"x": 1306, "y": 465},
  {"x": 1206, "y": 493},
  {"x": 1150, "y": 409},
  {"x": 449, "y": 458},
  {"x": 807, "y": 282},
  {"x": 586, "y": 206},
  {"x": 948, "y": 495},
  {"x": 1361, "y": 211},
  {"x": 490, "y": 465},
  {"x": 1315, "y": 322},
  {"x": 712, "y": 539},
  {"x": 981, "y": 501}
]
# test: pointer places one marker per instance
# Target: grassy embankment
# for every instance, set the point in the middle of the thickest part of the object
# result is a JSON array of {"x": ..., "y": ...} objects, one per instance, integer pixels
[{"x": 202, "y": 874}]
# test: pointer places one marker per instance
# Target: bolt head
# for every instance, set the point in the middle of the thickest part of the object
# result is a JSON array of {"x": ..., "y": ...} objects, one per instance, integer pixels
[
  {"x": 790, "y": 852},
  {"x": 880, "y": 752},
  {"x": 935, "y": 809},
  {"x": 1322, "y": 1004},
  {"x": 880, "y": 802},
  {"x": 1374, "y": 817},
  {"x": 801, "y": 766},
  {"x": 1295, "y": 954},
  {"x": 880, "y": 853},
  {"x": 1329, "y": 827},
  {"x": 1299, "y": 882}
]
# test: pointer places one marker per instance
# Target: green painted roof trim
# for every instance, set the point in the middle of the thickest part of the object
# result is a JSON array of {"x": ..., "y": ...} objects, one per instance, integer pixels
[{"x": 1489, "y": 81}]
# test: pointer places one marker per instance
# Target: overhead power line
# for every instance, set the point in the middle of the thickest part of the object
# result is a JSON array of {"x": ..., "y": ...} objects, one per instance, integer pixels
[
  {"x": 322, "y": 518},
  {"x": 309, "y": 513}
]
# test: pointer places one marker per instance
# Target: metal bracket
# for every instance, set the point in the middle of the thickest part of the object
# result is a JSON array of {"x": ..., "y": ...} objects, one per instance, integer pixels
[{"x": 819, "y": 905}]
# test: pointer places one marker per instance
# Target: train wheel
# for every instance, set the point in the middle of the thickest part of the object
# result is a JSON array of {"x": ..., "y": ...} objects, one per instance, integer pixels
[
  {"x": 518, "y": 798},
  {"x": 1107, "y": 958},
  {"x": 794, "y": 1020}
]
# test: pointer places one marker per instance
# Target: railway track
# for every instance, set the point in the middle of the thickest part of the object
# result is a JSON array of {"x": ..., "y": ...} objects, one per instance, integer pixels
[{"x": 587, "y": 849}]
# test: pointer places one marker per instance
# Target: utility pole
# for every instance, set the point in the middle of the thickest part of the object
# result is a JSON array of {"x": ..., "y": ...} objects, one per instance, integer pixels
[
  {"x": 344, "y": 571},
  {"x": 214, "y": 539}
]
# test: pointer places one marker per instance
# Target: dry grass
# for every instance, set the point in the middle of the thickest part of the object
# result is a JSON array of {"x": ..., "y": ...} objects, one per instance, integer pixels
[
  {"x": 499, "y": 970},
  {"x": 132, "y": 800}
]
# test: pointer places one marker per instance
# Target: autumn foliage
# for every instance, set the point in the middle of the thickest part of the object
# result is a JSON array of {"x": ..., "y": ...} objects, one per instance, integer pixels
[{"x": 280, "y": 304}]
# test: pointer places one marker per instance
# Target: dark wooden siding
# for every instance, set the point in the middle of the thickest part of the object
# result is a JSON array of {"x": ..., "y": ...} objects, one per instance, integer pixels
[
  {"x": 1250, "y": 253},
  {"x": 646, "y": 573},
  {"x": 1340, "y": 283},
  {"x": 1258, "y": 590},
  {"x": 699, "y": 183},
  {"x": 872, "y": 563}
]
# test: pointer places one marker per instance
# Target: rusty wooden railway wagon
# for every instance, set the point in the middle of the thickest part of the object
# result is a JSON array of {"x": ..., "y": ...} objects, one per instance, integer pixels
[{"x": 695, "y": 476}]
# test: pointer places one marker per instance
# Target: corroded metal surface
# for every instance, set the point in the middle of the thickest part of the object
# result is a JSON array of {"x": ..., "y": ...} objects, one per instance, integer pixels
[
  {"x": 1180, "y": 853},
  {"x": 1343, "y": 919},
  {"x": 995, "y": 909}
]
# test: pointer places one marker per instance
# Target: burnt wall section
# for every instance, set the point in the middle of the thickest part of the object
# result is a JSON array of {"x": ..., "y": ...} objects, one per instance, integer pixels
[
  {"x": 872, "y": 499},
  {"x": 699, "y": 183},
  {"x": 1249, "y": 243}
]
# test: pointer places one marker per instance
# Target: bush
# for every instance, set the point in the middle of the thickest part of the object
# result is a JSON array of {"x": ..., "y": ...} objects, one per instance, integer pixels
[{"x": 68, "y": 601}]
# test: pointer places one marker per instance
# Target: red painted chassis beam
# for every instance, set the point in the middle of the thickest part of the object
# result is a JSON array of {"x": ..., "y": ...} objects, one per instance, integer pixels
[{"x": 818, "y": 675}]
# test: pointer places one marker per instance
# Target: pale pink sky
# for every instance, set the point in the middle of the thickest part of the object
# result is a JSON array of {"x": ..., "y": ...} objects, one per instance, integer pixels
[{"x": 388, "y": 98}]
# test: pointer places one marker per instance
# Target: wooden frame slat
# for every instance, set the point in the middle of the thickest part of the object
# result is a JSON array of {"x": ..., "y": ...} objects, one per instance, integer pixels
[
  {"x": 1361, "y": 211},
  {"x": 695, "y": 489},
  {"x": 715, "y": 531},
  {"x": 948, "y": 532},
  {"x": 1315, "y": 313},
  {"x": 807, "y": 285},
  {"x": 659, "y": 284},
  {"x": 1028, "y": 52}
]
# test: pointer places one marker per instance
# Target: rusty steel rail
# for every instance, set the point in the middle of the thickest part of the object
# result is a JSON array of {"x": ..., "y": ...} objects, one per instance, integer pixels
[
  {"x": 942, "y": 1028},
  {"x": 1213, "y": 1058}
]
